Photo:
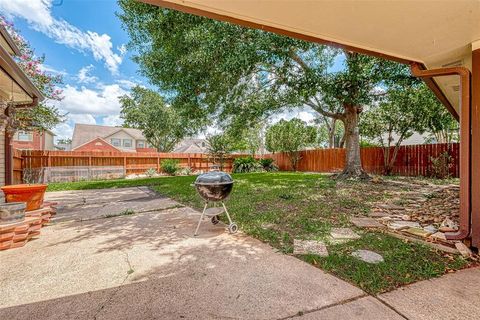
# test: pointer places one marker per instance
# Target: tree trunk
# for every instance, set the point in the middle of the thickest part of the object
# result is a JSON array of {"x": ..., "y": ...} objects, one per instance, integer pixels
[
  {"x": 331, "y": 133},
  {"x": 353, "y": 162}
]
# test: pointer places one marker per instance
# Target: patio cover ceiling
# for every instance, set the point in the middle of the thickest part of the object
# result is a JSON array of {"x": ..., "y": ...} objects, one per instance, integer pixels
[
  {"x": 435, "y": 33},
  {"x": 14, "y": 84}
]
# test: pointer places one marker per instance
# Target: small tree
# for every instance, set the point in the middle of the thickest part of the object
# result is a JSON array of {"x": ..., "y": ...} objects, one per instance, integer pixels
[
  {"x": 290, "y": 137},
  {"x": 219, "y": 146},
  {"x": 401, "y": 113},
  {"x": 161, "y": 125},
  {"x": 441, "y": 125},
  {"x": 44, "y": 115}
]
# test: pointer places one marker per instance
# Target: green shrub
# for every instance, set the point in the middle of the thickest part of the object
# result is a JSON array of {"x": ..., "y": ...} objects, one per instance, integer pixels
[
  {"x": 441, "y": 166},
  {"x": 170, "y": 166},
  {"x": 246, "y": 164},
  {"x": 268, "y": 164},
  {"x": 150, "y": 172},
  {"x": 186, "y": 171}
]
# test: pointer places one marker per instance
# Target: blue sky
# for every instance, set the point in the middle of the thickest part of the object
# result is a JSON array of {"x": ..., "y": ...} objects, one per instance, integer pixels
[{"x": 82, "y": 40}]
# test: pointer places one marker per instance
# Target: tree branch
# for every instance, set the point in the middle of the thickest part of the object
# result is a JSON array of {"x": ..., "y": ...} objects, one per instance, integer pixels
[{"x": 323, "y": 112}]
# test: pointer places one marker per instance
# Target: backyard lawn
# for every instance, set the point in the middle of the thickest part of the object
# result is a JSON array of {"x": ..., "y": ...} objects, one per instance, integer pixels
[{"x": 279, "y": 207}]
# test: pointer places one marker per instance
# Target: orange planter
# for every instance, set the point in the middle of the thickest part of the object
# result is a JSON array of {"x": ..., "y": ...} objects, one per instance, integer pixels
[{"x": 32, "y": 194}]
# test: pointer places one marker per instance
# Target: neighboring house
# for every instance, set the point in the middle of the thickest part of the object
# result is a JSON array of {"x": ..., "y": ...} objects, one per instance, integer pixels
[
  {"x": 191, "y": 146},
  {"x": 87, "y": 137},
  {"x": 34, "y": 140},
  {"x": 16, "y": 90},
  {"x": 63, "y": 146}
]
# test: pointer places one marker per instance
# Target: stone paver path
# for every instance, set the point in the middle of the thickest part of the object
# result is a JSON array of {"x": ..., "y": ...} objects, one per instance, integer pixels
[{"x": 149, "y": 266}]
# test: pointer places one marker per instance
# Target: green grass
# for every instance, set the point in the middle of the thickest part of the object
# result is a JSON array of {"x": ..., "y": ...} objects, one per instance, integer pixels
[
  {"x": 278, "y": 207},
  {"x": 103, "y": 184},
  {"x": 405, "y": 262}
]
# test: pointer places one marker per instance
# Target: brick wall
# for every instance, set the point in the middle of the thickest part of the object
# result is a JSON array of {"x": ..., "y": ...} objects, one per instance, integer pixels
[
  {"x": 35, "y": 144},
  {"x": 97, "y": 145}
]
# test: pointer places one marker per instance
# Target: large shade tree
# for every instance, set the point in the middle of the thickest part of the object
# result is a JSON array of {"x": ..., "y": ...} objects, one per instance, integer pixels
[
  {"x": 145, "y": 109},
  {"x": 213, "y": 69}
]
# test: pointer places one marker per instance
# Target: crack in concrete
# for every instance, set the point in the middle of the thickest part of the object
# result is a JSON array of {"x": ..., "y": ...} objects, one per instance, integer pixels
[
  {"x": 302, "y": 313},
  {"x": 391, "y": 308},
  {"x": 112, "y": 295}
]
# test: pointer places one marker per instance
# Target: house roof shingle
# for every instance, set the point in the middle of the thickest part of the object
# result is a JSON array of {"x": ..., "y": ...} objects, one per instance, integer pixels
[{"x": 83, "y": 133}]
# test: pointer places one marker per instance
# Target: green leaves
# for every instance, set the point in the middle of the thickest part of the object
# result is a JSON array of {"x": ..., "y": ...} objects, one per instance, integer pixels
[
  {"x": 291, "y": 137},
  {"x": 161, "y": 125}
]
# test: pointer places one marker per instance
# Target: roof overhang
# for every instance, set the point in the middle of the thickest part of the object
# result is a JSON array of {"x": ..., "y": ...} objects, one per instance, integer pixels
[
  {"x": 14, "y": 84},
  {"x": 7, "y": 42},
  {"x": 433, "y": 33}
]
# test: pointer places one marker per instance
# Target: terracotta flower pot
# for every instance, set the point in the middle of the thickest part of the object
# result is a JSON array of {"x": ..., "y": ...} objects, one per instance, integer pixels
[{"x": 32, "y": 194}]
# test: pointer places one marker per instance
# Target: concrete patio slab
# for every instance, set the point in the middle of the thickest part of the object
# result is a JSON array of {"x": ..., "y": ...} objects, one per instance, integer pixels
[
  {"x": 94, "y": 204},
  {"x": 365, "y": 308},
  {"x": 149, "y": 266},
  {"x": 453, "y": 296}
]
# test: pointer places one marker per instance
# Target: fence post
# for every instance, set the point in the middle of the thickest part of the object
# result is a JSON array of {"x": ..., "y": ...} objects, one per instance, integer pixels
[
  {"x": 158, "y": 163},
  {"x": 125, "y": 164}
]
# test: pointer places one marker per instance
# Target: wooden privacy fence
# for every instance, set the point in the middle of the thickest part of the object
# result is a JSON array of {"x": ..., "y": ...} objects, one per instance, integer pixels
[
  {"x": 414, "y": 160},
  {"x": 132, "y": 162}
]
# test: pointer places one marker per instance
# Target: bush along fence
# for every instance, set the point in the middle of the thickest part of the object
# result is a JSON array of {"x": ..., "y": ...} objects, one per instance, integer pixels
[
  {"x": 432, "y": 160},
  {"x": 62, "y": 166}
]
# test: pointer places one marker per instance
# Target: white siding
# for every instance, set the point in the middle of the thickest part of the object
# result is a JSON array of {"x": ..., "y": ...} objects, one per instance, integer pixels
[
  {"x": 49, "y": 145},
  {"x": 122, "y": 135}
]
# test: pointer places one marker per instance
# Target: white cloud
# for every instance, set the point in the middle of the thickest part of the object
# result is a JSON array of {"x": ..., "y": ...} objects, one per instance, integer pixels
[
  {"x": 38, "y": 14},
  {"x": 84, "y": 76},
  {"x": 50, "y": 69},
  {"x": 126, "y": 83},
  {"x": 63, "y": 131},
  {"x": 103, "y": 101},
  {"x": 122, "y": 49},
  {"x": 112, "y": 120},
  {"x": 302, "y": 113},
  {"x": 306, "y": 116},
  {"x": 82, "y": 118}
]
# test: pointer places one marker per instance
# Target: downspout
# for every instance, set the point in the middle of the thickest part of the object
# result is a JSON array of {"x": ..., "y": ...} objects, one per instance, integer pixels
[
  {"x": 465, "y": 142},
  {"x": 8, "y": 144}
]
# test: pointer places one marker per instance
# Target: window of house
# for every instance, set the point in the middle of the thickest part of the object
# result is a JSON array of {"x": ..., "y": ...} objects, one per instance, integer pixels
[
  {"x": 140, "y": 144},
  {"x": 23, "y": 136},
  {"x": 127, "y": 143},
  {"x": 116, "y": 142}
]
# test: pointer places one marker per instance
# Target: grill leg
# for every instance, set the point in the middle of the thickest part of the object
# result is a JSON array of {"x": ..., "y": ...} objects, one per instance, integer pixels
[
  {"x": 226, "y": 212},
  {"x": 201, "y": 218}
]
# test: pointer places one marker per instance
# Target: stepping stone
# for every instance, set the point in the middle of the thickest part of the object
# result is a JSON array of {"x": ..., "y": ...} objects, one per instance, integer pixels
[
  {"x": 378, "y": 214},
  {"x": 417, "y": 232},
  {"x": 310, "y": 247},
  {"x": 366, "y": 222},
  {"x": 368, "y": 256},
  {"x": 342, "y": 235},
  {"x": 400, "y": 224},
  {"x": 430, "y": 228},
  {"x": 390, "y": 206}
]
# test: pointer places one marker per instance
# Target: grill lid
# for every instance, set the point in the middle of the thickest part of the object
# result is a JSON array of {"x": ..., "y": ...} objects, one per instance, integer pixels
[{"x": 214, "y": 177}]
